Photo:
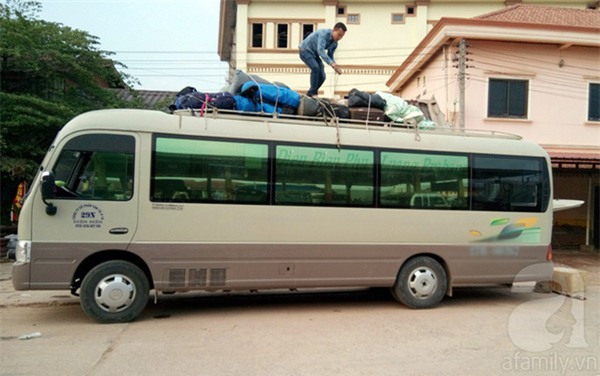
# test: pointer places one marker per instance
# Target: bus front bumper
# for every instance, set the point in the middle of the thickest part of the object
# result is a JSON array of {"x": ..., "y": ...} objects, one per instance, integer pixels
[{"x": 20, "y": 275}]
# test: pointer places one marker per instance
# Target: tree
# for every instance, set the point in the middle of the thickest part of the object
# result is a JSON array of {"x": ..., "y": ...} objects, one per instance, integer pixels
[{"x": 48, "y": 74}]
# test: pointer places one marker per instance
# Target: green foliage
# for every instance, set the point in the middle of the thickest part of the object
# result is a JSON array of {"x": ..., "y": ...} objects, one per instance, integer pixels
[
  {"x": 27, "y": 130},
  {"x": 20, "y": 8},
  {"x": 49, "y": 73}
]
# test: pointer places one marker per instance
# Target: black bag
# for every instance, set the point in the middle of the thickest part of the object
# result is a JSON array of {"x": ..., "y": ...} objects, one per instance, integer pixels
[
  {"x": 357, "y": 98},
  {"x": 186, "y": 90},
  {"x": 341, "y": 111},
  {"x": 199, "y": 100},
  {"x": 330, "y": 110},
  {"x": 224, "y": 101},
  {"x": 308, "y": 106}
]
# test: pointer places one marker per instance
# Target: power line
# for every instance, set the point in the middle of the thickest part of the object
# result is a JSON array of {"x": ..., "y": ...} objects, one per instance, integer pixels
[
  {"x": 544, "y": 82},
  {"x": 157, "y": 52}
]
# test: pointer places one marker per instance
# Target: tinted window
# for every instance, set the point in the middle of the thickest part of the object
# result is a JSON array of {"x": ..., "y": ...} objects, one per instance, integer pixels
[
  {"x": 510, "y": 184},
  {"x": 218, "y": 171},
  {"x": 425, "y": 181},
  {"x": 194, "y": 170},
  {"x": 96, "y": 167},
  {"x": 324, "y": 176}
]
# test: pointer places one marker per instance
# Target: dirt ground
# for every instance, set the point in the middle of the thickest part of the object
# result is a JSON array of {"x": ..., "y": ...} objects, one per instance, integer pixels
[{"x": 479, "y": 331}]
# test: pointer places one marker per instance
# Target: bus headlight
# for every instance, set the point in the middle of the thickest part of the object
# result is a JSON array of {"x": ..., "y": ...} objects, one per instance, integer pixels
[{"x": 23, "y": 251}]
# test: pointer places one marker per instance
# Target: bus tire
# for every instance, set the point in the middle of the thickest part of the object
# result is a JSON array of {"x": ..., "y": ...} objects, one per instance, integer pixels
[
  {"x": 114, "y": 291},
  {"x": 422, "y": 283}
]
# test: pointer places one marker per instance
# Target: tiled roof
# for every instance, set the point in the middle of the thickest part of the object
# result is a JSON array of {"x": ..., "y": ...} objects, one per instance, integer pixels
[
  {"x": 150, "y": 98},
  {"x": 545, "y": 15}
]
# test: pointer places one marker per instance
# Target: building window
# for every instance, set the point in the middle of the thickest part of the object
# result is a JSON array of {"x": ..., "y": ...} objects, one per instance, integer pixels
[
  {"x": 508, "y": 98},
  {"x": 411, "y": 11},
  {"x": 307, "y": 29},
  {"x": 354, "y": 19},
  {"x": 594, "y": 102},
  {"x": 282, "y": 35},
  {"x": 397, "y": 18},
  {"x": 341, "y": 11},
  {"x": 258, "y": 35}
]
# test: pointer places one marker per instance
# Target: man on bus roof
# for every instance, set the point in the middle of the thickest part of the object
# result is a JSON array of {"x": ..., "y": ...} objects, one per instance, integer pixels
[{"x": 320, "y": 46}]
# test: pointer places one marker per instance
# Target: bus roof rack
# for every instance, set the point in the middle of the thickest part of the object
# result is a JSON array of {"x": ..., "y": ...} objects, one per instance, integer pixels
[{"x": 389, "y": 126}]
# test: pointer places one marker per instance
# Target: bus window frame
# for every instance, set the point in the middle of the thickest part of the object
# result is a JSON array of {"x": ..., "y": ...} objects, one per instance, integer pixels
[{"x": 377, "y": 174}]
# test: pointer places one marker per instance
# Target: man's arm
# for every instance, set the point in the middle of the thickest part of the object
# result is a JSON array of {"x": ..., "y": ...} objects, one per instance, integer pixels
[
  {"x": 330, "y": 52},
  {"x": 321, "y": 43},
  {"x": 333, "y": 64}
]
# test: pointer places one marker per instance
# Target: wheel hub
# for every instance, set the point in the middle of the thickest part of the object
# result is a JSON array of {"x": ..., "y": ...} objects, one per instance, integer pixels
[
  {"x": 115, "y": 293},
  {"x": 422, "y": 282}
]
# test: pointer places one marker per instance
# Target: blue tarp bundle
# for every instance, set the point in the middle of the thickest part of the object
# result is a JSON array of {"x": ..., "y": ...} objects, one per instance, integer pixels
[
  {"x": 268, "y": 97},
  {"x": 248, "y": 105}
]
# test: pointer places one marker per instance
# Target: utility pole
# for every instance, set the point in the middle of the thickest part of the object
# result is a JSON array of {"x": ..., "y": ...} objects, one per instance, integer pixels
[{"x": 462, "y": 68}]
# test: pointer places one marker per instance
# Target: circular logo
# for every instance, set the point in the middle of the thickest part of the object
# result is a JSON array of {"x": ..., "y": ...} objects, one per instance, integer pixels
[{"x": 88, "y": 216}]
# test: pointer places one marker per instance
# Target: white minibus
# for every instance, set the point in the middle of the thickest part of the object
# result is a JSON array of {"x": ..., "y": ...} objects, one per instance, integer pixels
[{"x": 131, "y": 201}]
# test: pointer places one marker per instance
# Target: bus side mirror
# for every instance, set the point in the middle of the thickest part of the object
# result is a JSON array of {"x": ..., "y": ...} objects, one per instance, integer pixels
[{"x": 48, "y": 187}]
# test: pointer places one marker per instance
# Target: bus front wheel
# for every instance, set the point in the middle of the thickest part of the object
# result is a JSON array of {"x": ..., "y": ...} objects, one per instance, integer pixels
[
  {"x": 421, "y": 283},
  {"x": 114, "y": 291}
]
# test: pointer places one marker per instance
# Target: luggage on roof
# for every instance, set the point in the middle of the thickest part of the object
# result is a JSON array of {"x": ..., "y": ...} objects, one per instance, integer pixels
[
  {"x": 272, "y": 94},
  {"x": 365, "y": 113},
  {"x": 189, "y": 97},
  {"x": 254, "y": 94},
  {"x": 357, "y": 98}
]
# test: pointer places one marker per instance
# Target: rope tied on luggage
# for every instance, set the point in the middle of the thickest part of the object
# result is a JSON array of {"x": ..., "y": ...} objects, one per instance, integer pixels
[
  {"x": 204, "y": 105},
  {"x": 328, "y": 112},
  {"x": 266, "y": 98},
  {"x": 417, "y": 134},
  {"x": 262, "y": 111},
  {"x": 330, "y": 115},
  {"x": 275, "y": 114},
  {"x": 337, "y": 128},
  {"x": 368, "y": 113}
]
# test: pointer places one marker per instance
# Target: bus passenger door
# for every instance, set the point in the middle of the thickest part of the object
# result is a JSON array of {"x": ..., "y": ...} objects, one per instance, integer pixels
[{"x": 95, "y": 196}]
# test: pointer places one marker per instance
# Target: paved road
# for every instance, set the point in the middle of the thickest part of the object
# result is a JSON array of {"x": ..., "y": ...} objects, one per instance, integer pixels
[{"x": 480, "y": 331}]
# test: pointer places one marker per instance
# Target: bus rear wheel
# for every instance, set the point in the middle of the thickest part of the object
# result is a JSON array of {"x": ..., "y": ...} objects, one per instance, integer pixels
[
  {"x": 421, "y": 283},
  {"x": 114, "y": 291}
]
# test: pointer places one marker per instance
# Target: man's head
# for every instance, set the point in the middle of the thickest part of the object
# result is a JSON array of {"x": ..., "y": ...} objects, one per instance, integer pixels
[{"x": 339, "y": 30}]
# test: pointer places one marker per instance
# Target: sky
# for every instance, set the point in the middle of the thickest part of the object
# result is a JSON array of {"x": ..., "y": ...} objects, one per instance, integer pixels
[{"x": 166, "y": 44}]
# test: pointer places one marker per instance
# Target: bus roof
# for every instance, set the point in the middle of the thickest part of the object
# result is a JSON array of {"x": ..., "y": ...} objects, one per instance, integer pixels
[{"x": 224, "y": 124}]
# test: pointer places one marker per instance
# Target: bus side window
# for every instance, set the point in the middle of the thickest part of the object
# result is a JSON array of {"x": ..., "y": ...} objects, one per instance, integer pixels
[
  {"x": 107, "y": 177},
  {"x": 196, "y": 170},
  {"x": 324, "y": 176},
  {"x": 423, "y": 180},
  {"x": 502, "y": 183},
  {"x": 96, "y": 167},
  {"x": 173, "y": 190}
]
